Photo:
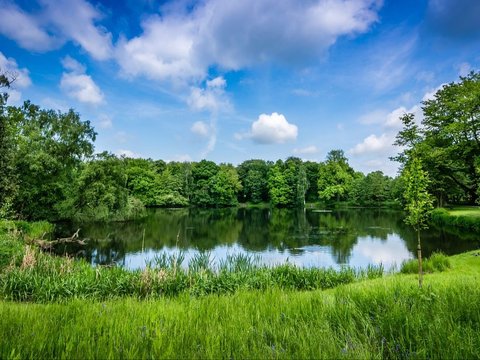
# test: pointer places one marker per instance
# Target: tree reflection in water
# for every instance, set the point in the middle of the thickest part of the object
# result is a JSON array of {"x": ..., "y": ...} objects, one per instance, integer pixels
[{"x": 281, "y": 233}]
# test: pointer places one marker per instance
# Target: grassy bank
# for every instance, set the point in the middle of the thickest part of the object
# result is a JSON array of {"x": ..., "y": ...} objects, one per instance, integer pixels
[
  {"x": 235, "y": 310},
  {"x": 383, "y": 318},
  {"x": 466, "y": 218}
]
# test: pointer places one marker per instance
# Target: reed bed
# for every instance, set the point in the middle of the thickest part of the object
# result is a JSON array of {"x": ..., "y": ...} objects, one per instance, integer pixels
[{"x": 41, "y": 277}]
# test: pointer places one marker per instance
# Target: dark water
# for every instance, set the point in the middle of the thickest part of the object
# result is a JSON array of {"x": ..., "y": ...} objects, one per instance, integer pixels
[{"x": 303, "y": 237}]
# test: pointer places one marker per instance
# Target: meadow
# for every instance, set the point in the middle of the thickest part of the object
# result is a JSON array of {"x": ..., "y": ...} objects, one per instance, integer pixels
[
  {"x": 372, "y": 315},
  {"x": 388, "y": 317}
]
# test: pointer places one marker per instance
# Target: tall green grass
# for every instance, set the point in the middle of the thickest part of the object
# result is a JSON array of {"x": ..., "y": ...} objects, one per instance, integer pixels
[
  {"x": 437, "y": 262},
  {"x": 41, "y": 277},
  {"x": 389, "y": 318}
]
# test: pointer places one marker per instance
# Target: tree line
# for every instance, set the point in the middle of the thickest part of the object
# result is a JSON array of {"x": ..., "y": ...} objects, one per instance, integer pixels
[{"x": 48, "y": 169}]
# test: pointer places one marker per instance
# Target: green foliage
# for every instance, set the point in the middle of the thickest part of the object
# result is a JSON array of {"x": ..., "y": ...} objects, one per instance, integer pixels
[
  {"x": 437, "y": 262},
  {"x": 214, "y": 185},
  {"x": 448, "y": 142},
  {"x": 418, "y": 202},
  {"x": 335, "y": 177},
  {"x": 49, "y": 148},
  {"x": 279, "y": 191},
  {"x": 467, "y": 222},
  {"x": 253, "y": 174},
  {"x": 100, "y": 194},
  {"x": 288, "y": 183}
]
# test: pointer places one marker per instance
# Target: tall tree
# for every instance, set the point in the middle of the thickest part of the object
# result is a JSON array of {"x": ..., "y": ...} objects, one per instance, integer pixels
[
  {"x": 49, "y": 148},
  {"x": 7, "y": 175},
  {"x": 279, "y": 191},
  {"x": 253, "y": 175},
  {"x": 418, "y": 203},
  {"x": 335, "y": 177},
  {"x": 448, "y": 140}
]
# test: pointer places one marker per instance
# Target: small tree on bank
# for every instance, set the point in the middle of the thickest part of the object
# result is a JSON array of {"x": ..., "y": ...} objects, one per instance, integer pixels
[{"x": 418, "y": 203}]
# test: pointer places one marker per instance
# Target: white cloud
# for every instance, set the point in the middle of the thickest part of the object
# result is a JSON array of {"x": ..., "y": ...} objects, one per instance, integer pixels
[
  {"x": 236, "y": 34},
  {"x": 10, "y": 66},
  {"x": 127, "y": 153},
  {"x": 430, "y": 95},
  {"x": 75, "y": 20},
  {"x": 211, "y": 98},
  {"x": 73, "y": 65},
  {"x": 306, "y": 150},
  {"x": 24, "y": 28},
  {"x": 56, "y": 22},
  {"x": 20, "y": 77},
  {"x": 163, "y": 52},
  {"x": 373, "y": 144},
  {"x": 271, "y": 129},
  {"x": 79, "y": 85},
  {"x": 391, "y": 120},
  {"x": 82, "y": 88},
  {"x": 200, "y": 128}
]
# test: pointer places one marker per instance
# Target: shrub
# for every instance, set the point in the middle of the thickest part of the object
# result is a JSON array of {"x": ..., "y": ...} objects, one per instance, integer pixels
[{"x": 437, "y": 262}]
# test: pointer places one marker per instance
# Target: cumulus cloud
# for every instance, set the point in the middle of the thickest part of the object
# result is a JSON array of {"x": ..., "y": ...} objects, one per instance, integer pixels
[
  {"x": 19, "y": 75},
  {"x": 211, "y": 98},
  {"x": 79, "y": 85},
  {"x": 236, "y": 34},
  {"x": 306, "y": 150},
  {"x": 162, "y": 52},
  {"x": 373, "y": 144},
  {"x": 200, "y": 128},
  {"x": 56, "y": 22},
  {"x": 271, "y": 129}
]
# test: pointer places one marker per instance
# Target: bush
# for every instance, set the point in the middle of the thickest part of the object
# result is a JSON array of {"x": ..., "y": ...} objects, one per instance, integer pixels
[{"x": 437, "y": 262}]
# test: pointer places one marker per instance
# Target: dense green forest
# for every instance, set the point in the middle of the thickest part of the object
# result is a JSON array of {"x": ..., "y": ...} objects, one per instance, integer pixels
[{"x": 48, "y": 169}]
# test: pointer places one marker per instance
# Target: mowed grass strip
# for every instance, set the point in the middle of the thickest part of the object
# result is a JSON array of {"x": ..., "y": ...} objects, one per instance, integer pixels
[{"x": 383, "y": 318}]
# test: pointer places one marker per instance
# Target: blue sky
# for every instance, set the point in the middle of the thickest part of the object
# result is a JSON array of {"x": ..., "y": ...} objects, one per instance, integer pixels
[{"x": 235, "y": 80}]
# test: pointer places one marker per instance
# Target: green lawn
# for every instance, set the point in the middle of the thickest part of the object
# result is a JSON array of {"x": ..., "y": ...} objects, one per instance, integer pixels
[
  {"x": 473, "y": 211},
  {"x": 389, "y": 317}
]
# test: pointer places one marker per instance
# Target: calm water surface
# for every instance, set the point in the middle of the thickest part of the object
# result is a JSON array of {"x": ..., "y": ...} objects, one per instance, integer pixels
[{"x": 303, "y": 237}]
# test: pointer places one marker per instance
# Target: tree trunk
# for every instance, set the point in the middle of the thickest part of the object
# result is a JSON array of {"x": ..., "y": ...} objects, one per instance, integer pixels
[{"x": 419, "y": 254}]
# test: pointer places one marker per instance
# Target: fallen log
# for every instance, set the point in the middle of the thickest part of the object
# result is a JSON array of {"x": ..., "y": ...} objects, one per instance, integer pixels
[{"x": 48, "y": 244}]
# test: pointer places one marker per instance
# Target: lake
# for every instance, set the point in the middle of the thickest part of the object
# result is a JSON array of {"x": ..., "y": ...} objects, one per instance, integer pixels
[{"x": 305, "y": 237}]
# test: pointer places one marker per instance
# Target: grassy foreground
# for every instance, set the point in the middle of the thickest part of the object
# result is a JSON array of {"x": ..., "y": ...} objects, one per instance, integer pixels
[{"x": 387, "y": 317}]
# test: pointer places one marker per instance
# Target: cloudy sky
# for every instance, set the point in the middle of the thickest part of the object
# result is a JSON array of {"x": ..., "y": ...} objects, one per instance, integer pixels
[{"x": 235, "y": 80}]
